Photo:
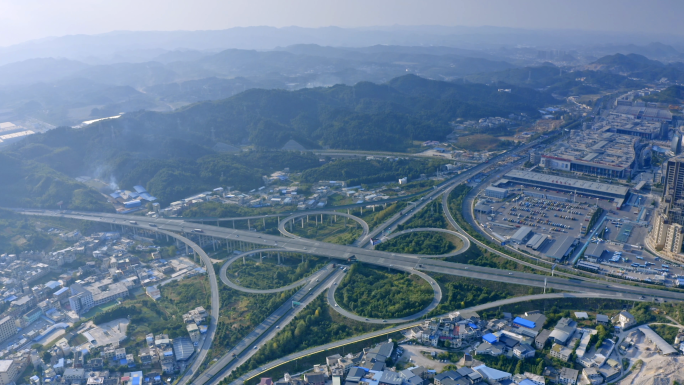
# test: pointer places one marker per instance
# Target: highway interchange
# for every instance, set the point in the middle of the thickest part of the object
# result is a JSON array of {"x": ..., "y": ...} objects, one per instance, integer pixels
[{"x": 326, "y": 278}]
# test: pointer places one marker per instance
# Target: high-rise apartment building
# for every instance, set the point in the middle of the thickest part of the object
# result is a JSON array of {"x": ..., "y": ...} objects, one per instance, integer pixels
[
  {"x": 673, "y": 189},
  {"x": 7, "y": 328},
  {"x": 667, "y": 233}
]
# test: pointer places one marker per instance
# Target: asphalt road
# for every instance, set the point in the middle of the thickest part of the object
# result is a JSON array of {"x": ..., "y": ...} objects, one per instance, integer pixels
[
  {"x": 291, "y": 357},
  {"x": 215, "y": 304},
  {"x": 468, "y": 215},
  {"x": 462, "y": 249},
  {"x": 284, "y": 222},
  {"x": 407, "y": 213},
  {"x": 436, "y": 299},
  {"x": 233, "y": 285},
  {"x": 266, "y": 330},
  {"x": 374, "y": 257}
]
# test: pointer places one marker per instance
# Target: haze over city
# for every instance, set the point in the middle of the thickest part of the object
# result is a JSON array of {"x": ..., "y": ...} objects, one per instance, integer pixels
[
  {"x": 21, "y": 21},
  {"x": 341, "y": 193}
]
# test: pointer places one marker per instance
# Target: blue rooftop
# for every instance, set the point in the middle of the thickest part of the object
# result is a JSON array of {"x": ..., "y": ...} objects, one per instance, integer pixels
[
  {"x": 491, "y": 338},
  {"x": 527, "y": 381},
  {"x": 140, "y": 189},
  {"x": 524, "y": 323},
  {"x": 472, "y": 325}
]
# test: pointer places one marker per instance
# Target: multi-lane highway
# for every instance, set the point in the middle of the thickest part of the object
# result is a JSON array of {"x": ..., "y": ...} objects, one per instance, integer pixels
[
  {"x": 460, "y": 250},
  {"x": 292, "y": 221},
  {"x": 491, "y": 305},
  {"x": 233, "y": 285},
  {"x": 375, "y": 257},
  {"x": 265, "y": 331},
  {"x": 436, "y": 299},
  {"x": 215, "y": 304},
  {"x": 218, "y": 370}
]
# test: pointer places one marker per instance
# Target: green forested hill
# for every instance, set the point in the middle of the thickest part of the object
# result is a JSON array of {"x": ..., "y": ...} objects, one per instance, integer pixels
[
  {"x": 171, "y": 153},
  {"x": 559, "y": 82},
  {"x": 672, "y": 94},
  {"x": 365, "y": 116},
  {"x": 33, "y": 184}
]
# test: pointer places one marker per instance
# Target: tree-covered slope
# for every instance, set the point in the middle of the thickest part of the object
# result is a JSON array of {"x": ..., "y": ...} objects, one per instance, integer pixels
[
  {"x": 172, "y": 153},
  {"x": 32, "y": 184}
]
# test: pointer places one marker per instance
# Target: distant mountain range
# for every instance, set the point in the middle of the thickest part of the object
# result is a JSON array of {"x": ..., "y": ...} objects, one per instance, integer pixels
[
  {"x": 86, "y": 91},
  {"x": 141, "y": 46},
  {"x": 171, "y": 152}
]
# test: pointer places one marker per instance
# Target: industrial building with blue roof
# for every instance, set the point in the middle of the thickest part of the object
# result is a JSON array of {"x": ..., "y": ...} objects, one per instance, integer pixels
[{"x": 524, "y": 323}]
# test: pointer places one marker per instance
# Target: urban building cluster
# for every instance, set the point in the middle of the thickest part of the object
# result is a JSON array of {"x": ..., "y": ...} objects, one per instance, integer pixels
[
  {"x": 521, "y": 337},
  {"x": 107, "y": 271},
  {"x": 274, "y": 194},
  {"x": 488, "y": 122},
  {"x": 126, "y": 201}
]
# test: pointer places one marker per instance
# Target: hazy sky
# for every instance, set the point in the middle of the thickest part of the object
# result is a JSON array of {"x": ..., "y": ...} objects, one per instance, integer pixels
[{"x": 22, "y": 20}]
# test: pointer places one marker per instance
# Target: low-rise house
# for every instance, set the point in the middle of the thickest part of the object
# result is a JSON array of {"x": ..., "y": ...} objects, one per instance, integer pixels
[
  {"x": 564, "y": 329},
  {"x": 523, "y": 351},
  {"x": 120, "y": 354},
  {"x": 561, "y": 352},
  {"x": 568, "y": 376},
  {"x": 535, "y": 378},
  {"x": 197, "y": 315},
  {"x": 316, "y": 379},
  {"x": 389, "y": 378},
  {"x": 609, "y": 373},
  {"x": 193, "y": 331},
  {"x": 333, "y": 360},
  {"x": 551, "y": 374},
  {"x": 447, "y": 378},
  {"x": 491, "y": 374},
  {"x": 542, "y": 337},
  {"x": 473, "y": 376},
  {"x": 94, "y": 365},
  {"x": 592, "y": 376},
  {"x": 602, "y": 319},
  {"x": 74, "y": 375},
  {"x": 625, "y": 320},
  {"x": 490, "y": 349}
]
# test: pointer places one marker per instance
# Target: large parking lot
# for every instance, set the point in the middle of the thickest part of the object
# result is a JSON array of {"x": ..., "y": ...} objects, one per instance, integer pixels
[
  {"x": 558, "y": 215},
  {"x": 626, "y": 259}
]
